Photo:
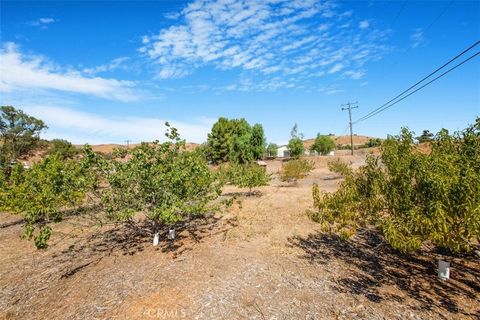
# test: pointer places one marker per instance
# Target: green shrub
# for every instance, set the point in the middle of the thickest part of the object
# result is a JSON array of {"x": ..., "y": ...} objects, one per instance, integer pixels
[
  {"x": 63, "y": 148},
  {"x": 248, "y": 176},
  {"x": 323, "y": 144},
  {"x": 343, "y": 147},
  {"x": 374, "y": 142},
  {"x": 296, "y": 169},
  {"x": 413, "y": 198},
  {"x": 340, "y": 167}
]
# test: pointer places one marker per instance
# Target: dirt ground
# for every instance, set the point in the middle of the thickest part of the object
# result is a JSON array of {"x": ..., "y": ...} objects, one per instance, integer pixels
[{"x": 261, "y": 258}]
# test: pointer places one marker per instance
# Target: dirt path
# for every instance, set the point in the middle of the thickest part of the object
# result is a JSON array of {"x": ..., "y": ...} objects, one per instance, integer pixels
[{"x": 261, "y": 259}]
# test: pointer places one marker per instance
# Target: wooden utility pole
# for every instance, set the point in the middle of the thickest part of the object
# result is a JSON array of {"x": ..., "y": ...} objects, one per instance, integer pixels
[
  {"x": 128, "y": 143},
  {"x": 349, "y": 106}
]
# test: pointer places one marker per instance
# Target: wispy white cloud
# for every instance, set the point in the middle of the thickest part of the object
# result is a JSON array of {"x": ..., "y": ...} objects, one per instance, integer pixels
[
  {"x": 19, "y": 72},
  {"x": 111, "y": 66},
  {"x": 331, "y": 90},
  {"x": 417, "y": 38},
  {"x": 364, "y": 24},
  {"x": 43, "y": 22},
  {"x": 355, "y": 75},
  {"x": 84, "y": 127},
  {"x": 271, "y": 38},
  {"x": 337, "y": 67}
]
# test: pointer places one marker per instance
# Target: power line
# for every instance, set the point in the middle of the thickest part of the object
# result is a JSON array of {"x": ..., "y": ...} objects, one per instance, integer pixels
[
  {"x": 426, "y": 84},
  {"x": 425, "y": 29},
  {"x": 345, "y": 130},
  {"x": 440, "y": 15},
  {"x": 398, "y": 13},
  {"x": 418, "y": 82}
]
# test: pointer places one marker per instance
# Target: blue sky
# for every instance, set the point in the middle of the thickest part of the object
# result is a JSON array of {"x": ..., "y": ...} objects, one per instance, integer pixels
[{"x": 108, "y": 71}]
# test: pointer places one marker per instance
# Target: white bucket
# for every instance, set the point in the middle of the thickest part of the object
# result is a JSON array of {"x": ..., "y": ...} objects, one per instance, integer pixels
[
  {"x": 156, "y": 239},
  {"x": 171, "y": 234},
  {"x": 444, "y": 269}
]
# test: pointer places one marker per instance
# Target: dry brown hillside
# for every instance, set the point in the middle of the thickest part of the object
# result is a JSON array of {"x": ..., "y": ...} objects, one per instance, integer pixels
[{"x": 108, "y": 148}]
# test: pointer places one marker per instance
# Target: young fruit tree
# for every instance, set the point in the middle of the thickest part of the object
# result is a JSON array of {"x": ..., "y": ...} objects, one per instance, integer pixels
[
  {"x": 248, "y": 176},
  {"x": 413, "y": 198},
  {"x": 45, "y": 192},
  {"x": 295, "y": 169},
  {"x": 164, "y": 181}
]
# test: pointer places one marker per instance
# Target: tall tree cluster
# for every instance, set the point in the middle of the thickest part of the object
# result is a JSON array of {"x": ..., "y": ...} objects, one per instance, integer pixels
[{"x": 235, "y": 140}]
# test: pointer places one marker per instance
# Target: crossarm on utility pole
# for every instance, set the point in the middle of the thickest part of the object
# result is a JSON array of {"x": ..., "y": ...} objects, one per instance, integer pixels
[{"x": 349, "y": 107}]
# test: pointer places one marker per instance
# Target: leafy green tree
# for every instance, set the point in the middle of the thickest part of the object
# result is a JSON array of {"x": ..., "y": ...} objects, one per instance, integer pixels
[
  {"x": 235, "y": 140},
  {"x": 296, "y": 169},
  {"x": 164, "y": 181},
  {"x": 248, "y": 176},
  {"x": 323, "y": 144},
  {"x": 43, "y": 193},
  {"x": 295, "y": 145},
  {"x": 19, "y": 133},
  {"x": 219, "y": 140},
  {"x": 258, "y": 141},
  {"x": 374, "y": 142},
  {"x": 426, "y": 136},
  {"x": 272, "y": 150},
  {"x": 63, "y": 148},
  {"x": 241, "y": 149},
  {"x": 412, "y": 197}
]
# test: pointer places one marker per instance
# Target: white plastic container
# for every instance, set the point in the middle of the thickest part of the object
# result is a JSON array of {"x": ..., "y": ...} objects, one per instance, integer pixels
[
  {"x": 156, "y": 239},
  {"x": 443, "y": 269},
  {"x": 171, "y": 234}
]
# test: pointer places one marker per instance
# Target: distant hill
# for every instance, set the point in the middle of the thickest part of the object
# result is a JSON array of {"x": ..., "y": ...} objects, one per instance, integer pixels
[{"x": 108, "y": 148}]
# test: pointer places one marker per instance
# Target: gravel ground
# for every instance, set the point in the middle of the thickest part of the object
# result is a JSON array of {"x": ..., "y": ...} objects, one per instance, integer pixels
[{"x": 262, "y": 258}]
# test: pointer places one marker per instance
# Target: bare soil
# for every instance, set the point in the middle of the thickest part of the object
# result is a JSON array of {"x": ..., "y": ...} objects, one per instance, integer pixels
[{"x": 261, "y": 258}]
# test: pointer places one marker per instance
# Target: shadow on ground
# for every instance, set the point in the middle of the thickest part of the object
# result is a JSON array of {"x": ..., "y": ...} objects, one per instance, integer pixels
[
  {"x": 373, "y": 266},
  {"x": 131, "y": 238},
  {"x": 253, "y": 193}
]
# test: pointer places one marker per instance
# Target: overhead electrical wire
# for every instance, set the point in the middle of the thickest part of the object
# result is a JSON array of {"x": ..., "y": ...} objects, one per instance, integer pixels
[
  {"x": 424, "y": 30},
  {"x": 398, "y": 14},
  {"x": 378, "y": 110},
  {"x": 422, "y": 80}
]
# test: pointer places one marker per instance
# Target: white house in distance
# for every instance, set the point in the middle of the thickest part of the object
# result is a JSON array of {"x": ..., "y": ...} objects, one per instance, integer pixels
[{"x": 282, "y": 152}]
